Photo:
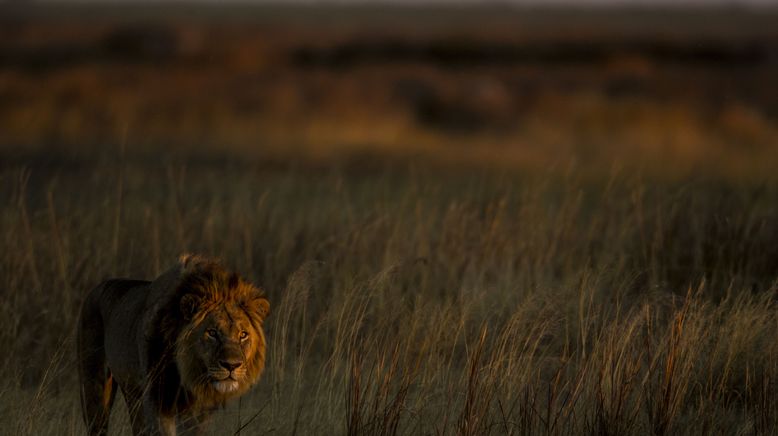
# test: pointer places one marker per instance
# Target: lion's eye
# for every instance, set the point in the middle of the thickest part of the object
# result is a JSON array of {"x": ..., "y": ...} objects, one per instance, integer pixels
[
  {"x": 244, "y": 335},
  {"x": 211, "y": 333}
]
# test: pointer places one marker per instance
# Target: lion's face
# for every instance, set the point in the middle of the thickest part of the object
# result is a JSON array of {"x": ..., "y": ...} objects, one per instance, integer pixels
[
  {"x": 222, "y": 351},
  {"x": 223, "y": 340}
]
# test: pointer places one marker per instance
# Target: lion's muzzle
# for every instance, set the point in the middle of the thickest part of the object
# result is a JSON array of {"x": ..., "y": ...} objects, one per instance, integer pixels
[{"x": 226, "y": 378}]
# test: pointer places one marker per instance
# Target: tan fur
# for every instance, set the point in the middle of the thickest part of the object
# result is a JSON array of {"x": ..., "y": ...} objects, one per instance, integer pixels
[{"x": 177, "y": 347}]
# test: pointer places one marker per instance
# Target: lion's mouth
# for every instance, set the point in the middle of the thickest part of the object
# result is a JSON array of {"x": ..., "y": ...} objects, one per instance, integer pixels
[
  {"x": 225, "y": 385},
  {"x": 225, "y": 381}
]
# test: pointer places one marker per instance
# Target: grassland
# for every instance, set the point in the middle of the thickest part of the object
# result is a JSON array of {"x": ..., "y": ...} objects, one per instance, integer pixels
[
  {"x": 512, "y": 247},
  {"x": 417, "y": 302}
]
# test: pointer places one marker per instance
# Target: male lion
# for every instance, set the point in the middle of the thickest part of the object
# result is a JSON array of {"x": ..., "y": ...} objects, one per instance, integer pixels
[{"x": 177, "y": 347}]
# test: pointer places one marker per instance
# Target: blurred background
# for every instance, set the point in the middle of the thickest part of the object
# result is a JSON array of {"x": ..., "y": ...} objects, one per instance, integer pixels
[
  {"x": 470, "y": 218},
  {"x": 673, "y": 88}
]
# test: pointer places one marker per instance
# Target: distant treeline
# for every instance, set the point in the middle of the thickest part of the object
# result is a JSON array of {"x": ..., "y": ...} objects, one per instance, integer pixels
[
  {"x": 131, "y": 43},
  {"x": 159, "y": 43},
  {"x": 469, "y": 52}
]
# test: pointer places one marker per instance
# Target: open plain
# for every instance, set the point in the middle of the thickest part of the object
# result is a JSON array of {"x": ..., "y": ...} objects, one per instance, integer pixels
[{"x": 467, "y": 221}]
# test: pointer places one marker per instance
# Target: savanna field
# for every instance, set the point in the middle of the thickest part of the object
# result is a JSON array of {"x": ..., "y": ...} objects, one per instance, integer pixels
[{"x": 515, "y": 227}]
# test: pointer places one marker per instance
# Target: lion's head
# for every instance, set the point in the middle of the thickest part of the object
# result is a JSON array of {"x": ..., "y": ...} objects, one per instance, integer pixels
[{"x": 220, "y": 346}]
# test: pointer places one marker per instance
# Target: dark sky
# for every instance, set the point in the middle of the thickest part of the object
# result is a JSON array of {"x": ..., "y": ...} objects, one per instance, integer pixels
[{"x": 529, "y": 2}]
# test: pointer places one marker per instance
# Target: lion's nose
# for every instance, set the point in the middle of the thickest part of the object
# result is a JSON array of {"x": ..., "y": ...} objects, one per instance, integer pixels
[{"x": 230, "y": 365}]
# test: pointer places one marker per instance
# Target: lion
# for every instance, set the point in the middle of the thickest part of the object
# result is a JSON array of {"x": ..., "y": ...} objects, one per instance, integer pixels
[{"x": 177, "y": 347}]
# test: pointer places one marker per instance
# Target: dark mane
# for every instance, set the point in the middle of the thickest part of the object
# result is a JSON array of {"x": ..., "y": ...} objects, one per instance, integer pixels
[{"x": 213, "y": 284}]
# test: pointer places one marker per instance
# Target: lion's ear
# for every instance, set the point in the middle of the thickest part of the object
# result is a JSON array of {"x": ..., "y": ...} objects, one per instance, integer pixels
[
  {"x": 190, "y": 304},
  {"x": 260, "y": 305}
]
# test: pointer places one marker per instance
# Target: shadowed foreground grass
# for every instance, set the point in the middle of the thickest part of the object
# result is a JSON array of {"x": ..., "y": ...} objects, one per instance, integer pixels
[{"x": 409, "y": 301}]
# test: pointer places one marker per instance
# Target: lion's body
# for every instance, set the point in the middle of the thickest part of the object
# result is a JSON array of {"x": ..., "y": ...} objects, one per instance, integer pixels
[{"x": 177, "y": 347}]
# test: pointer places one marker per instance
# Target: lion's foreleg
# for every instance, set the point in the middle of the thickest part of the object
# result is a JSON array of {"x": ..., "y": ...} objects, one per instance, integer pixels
[
  {"x": 195, "y": 424},
  {"x": 155, "y": 423}
]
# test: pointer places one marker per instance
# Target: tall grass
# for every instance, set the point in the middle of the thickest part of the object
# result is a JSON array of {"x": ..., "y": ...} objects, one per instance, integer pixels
[{"x": 409, "y": 301}]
